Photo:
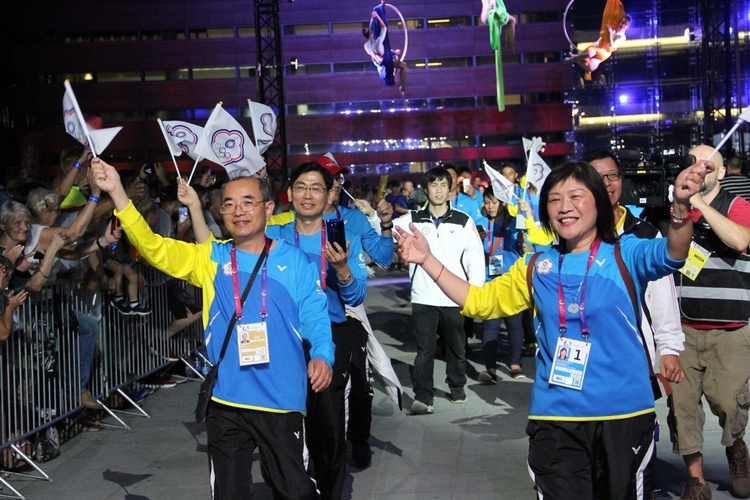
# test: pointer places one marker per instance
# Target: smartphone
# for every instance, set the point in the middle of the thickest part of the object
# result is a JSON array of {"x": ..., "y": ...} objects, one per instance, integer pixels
[
  {"x": 39, "y": 256},
  {"x": 381, "y": 188},
  {"x": 183, "y": 214},
  {"x": 335, "y": 232},
  {"x": 467, "y": 183}
]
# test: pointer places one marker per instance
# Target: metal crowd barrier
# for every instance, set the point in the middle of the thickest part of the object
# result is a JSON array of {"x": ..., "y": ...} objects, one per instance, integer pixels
[{"x": 40, "y": 362}]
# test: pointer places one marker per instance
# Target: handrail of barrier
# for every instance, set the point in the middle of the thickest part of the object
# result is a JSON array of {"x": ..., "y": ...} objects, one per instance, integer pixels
[{"x": 41, "y": 362}]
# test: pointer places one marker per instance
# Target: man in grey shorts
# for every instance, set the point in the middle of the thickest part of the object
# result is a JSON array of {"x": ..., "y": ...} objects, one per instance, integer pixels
[{"x": 714, "y": 309}]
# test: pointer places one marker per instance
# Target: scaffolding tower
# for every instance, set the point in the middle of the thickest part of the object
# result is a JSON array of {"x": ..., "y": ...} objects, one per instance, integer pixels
[
  {"x": 719, "y": 88},
  {"x": 270, "y": 71}
]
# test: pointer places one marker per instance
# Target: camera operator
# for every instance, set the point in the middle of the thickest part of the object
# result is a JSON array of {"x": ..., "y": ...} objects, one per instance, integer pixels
[{"x": 714, "y": 309}]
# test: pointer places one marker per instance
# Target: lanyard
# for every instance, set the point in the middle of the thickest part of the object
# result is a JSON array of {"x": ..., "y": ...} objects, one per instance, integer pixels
[
  {"x": 263, "y": 283},
  {"x": 323, "y": 264},
  {"x": 561, "y": 295}
]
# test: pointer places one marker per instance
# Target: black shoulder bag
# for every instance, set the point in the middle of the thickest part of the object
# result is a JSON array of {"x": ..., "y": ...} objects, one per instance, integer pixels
[{"x": 207, "y": 386}]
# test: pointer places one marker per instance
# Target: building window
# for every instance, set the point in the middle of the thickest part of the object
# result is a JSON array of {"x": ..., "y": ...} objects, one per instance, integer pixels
[
  {"x": 448, "y": 22},
  {"x": 306, "y": 29},
  {"x": 214, "y": 73},
  {"x": 245, "y": 32},
  {"x": 118, "y": 76}
]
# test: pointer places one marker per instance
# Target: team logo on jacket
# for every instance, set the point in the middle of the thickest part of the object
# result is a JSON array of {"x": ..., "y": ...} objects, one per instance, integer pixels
[
  {"x": 425, "y": 230},
  {"x": 544, "y": 266},
  {"x": 227, "y": 269}
]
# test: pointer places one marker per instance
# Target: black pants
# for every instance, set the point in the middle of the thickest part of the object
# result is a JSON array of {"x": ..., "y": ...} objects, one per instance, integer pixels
[
  {"x": 234, "y": 434},
  {"x": 604, "y": 459},
  {"x": 360, "y": 392},
  {"x": 325, "y": 424},
  {"x": 425, "y": 325}
]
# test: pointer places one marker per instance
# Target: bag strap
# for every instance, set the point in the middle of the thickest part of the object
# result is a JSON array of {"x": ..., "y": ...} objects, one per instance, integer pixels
[
  {"x": 633, "y": 299},
  {"x": 530, "y": 275},
  {"x": 245, "y": 293}
]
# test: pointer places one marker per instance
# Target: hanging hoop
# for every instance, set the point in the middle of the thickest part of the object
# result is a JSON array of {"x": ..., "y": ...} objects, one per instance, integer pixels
[
  {"x": 565, "y": 25},
  {"x": 406, "y": 32}
]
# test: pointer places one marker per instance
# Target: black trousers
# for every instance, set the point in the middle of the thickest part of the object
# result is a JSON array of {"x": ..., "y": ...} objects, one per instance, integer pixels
[
  {"x": 325, "y": 423},
  {"x": 360, "y": 392},
  {"x": 233, "y": 436},
  {"x": 603, "y": 459}
]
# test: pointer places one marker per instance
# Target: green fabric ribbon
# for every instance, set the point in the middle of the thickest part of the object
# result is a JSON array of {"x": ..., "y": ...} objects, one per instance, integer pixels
[{"x": 496, "y": 19}]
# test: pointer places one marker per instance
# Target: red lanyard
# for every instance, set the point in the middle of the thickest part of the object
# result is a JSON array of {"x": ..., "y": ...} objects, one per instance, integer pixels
[
  {"x": 263, "y": 283},
  {"x": 561, "y": 294},
  {"x": 323, "y": 263}
]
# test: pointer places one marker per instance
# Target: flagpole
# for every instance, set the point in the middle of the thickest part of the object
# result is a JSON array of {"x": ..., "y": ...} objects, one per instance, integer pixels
[
  {"x": 193, "y": 170},
  {"x": 724, "y": 139},
  {"x": 166, "y": 139},
  {"x": 347, "y": 193},
  {"x": 80, "y": 114}
]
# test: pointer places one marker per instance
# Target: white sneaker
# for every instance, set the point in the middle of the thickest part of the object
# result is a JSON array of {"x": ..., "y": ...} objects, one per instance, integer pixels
[{"x": 420, "y": 408}]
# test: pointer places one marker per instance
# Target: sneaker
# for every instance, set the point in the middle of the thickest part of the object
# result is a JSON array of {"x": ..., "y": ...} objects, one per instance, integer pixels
[
  {"x": 458, "y": 398},
  {"x": 136, "y": 393},
  {"x": 116, "y": 299},
  {"x": 170, "y": 357},
  {"x": 420, "y": 408},
  {"x": 739, "y": 471},
  {"x": 89, "y": 402},
  {"x": 487, "y": 378},
  {"x": 695, "y": 490},
  {"x": 159, "y": 382},
  {"x": 140, "y": 310},
  {"x": 123, "y": 307},
  {"x": 517, "y": 373},
  {"x": 361, "y": 455},
  {"x": 178, "y": 379}
]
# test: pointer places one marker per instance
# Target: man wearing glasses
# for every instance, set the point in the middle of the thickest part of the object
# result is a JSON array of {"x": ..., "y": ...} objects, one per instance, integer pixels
[
  {"x": 343, "y": 277},
  {"x": 259, "y": 399},
  {"x": 661, "y": 299}
]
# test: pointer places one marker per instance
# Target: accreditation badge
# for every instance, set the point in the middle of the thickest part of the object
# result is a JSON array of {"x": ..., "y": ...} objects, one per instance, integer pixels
[
  {"x": 252, "y": 343},
  {"x": 697, "y": 258},
  {"x": 495, "y": 265},
  {"x": 569, "y": 363}
]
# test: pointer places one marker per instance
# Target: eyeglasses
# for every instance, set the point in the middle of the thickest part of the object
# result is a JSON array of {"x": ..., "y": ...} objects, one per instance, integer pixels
[
  {"x": 246, "y": 206},
  {"x": 614, "y": 176},
  {"x": 314, "y": 189}
]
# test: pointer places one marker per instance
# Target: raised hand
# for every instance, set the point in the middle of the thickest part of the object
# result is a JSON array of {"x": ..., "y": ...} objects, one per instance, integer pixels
[
  {"x": 385, "y": 211},
  {"x": 104, "y": 175},
  {"x": 413, "y": 247}
]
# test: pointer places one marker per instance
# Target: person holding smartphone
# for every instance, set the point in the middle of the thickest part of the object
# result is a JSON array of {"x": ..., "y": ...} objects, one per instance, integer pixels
[{"x": 343, "y": 277}]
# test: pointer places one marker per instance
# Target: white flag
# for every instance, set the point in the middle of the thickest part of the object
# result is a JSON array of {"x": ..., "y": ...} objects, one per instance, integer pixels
[
  {"x": 182, "y": 137},
  {"x": 96, "y": 140},
  {"x": 501, "y": 186},
  {"x": 526, "y": 146},
  {"x": 225, "y": 142},
  {"x": 264, "y": 125},
  {"x": 537, "y": 170}
]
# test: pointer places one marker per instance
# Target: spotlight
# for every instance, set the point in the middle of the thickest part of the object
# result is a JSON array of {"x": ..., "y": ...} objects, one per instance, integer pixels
[
  {"x": 294, "y": 62},
  {"x": 624, "y": 98}
]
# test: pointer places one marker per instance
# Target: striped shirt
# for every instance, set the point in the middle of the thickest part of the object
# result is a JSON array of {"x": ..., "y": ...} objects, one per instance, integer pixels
[{"x": 737, "y": 184}]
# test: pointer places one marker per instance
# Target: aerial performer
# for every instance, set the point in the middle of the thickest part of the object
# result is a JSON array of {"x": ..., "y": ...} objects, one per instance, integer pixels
[
  {"x": 611, "y": 35},
  {"x": 378, "y": 47},
  {"x": 496, "y": 16}
]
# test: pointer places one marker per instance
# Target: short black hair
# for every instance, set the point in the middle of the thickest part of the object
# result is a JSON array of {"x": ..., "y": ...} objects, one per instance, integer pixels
[
  {"x": 601, "y": 154},
  {"x": 437, "y": 174},
  {"x": 312, "y": 166}
]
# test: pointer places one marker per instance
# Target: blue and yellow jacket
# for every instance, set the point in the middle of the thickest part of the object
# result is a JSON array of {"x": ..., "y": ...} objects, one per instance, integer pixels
[{"x": 296, "y": 306}]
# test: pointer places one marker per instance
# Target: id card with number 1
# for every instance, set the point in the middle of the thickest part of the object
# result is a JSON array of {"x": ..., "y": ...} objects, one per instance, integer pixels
[{"x": 569, "y": 363}]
